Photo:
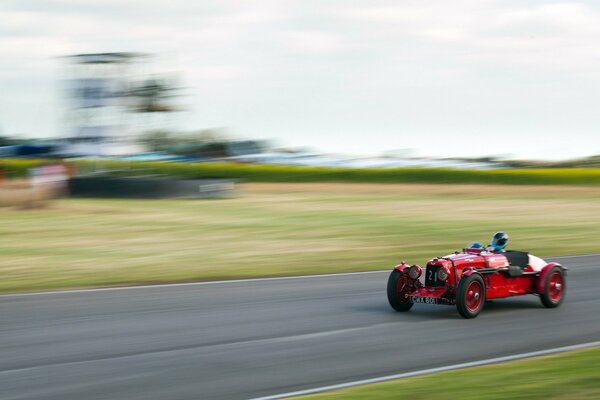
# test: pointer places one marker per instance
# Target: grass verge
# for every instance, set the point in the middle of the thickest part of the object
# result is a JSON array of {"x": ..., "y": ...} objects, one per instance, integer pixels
[
  {"x": 282, "y": 229},
  {"x": 572, "y": 375}
]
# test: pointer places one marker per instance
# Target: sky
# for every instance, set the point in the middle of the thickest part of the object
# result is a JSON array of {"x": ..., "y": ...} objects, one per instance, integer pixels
[{"x": 455, "y": 78}]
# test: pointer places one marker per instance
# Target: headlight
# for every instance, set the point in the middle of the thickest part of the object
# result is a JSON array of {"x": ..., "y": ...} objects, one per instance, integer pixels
[
  {"x": 442, "y": 274},
  {"x": 414, "y": 272}
]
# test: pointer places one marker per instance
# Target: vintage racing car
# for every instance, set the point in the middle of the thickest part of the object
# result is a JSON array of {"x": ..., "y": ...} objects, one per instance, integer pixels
[{"x": 468, "y": 278}]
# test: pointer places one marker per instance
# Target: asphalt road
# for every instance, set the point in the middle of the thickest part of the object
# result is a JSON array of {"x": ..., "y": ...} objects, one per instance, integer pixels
[{"x": 256, "y": 338}]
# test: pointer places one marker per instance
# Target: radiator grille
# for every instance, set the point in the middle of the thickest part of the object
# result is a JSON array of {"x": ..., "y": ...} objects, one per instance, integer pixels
[{"x": 431, "y": 276}]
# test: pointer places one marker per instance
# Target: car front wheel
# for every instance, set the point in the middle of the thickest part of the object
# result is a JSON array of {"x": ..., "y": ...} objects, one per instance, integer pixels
[
  {"x": 398, "y": 289},
  {"x": 470, "y": 296}
]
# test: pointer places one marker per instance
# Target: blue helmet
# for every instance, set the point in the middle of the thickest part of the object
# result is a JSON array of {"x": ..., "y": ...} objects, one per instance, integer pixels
[{"x": 499, "y": 241}]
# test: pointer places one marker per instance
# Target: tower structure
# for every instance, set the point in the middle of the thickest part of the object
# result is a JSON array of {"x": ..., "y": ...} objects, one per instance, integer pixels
[{"x": 111, "y": 99}]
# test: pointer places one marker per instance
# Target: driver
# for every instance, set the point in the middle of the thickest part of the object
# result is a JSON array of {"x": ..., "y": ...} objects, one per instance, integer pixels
[{"x": 499, "y": 242}]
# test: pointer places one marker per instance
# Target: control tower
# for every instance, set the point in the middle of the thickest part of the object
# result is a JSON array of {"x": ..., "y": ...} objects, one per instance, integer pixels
[{"x": 110, "y": 97}]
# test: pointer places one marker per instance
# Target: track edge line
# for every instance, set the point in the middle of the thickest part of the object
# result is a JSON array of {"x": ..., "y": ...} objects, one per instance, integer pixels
[{"x": 247, "y": 280}]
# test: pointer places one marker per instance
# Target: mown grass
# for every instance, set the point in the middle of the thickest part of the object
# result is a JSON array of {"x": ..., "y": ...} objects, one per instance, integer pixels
[
  {"x": 571, "y": 375},
  {"x": 277, "y": 230}
]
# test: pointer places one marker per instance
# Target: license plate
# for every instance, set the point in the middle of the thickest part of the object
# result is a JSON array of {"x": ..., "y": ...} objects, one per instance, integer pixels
[{"x": 424, "y": 300}]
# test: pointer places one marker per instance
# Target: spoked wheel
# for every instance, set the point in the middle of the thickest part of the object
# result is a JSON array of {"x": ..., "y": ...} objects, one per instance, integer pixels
[
  {"x": 554, "y": 288},
  {"x": 470, "y": 296},
  {"x": 398, "y": 289}
]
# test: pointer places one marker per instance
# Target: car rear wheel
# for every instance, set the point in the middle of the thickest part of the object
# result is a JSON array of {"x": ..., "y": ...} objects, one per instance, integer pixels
[
  {"x": 470, "y": 296},
  {"x": 398, "y": 289},
  {"x": 554, "y": 288}
]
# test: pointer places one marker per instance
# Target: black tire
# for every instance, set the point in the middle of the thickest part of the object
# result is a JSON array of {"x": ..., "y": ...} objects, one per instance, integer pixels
[
  {"x": 397, "y": 298},
  {"x": 551, "y": 297},
  {"x": 470, "y": 296}
]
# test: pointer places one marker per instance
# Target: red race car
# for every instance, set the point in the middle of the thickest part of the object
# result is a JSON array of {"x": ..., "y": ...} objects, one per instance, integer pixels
[{"x": 468, "y": 278}]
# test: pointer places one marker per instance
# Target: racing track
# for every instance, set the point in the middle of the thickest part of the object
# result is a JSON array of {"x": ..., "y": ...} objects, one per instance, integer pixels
[{"x": 256, "y": 338}]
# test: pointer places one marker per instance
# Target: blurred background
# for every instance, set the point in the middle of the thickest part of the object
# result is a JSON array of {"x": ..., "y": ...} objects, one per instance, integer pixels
[{"x": 341, "y": 135}]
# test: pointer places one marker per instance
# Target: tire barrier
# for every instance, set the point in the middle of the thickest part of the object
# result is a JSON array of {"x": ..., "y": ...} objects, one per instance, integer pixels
[{"x": 150, "y": 188}]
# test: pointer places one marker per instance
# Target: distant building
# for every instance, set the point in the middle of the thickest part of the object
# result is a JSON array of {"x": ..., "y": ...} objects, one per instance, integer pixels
[{"x": 245, "y": 147}]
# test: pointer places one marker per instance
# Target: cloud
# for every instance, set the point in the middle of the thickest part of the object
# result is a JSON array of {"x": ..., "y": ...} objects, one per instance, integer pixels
[
  {"x": 540, "y": 35},
  {"x": 313, "y": 41}
]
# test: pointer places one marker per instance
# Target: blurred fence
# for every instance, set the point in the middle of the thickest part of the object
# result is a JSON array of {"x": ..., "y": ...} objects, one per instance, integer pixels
[{"x": 150, "y": 188}]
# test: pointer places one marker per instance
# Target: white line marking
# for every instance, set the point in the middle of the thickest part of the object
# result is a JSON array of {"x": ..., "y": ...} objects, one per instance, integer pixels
[
  {"x": 166, "y": 285},
  {"x": 576, "y": 256},
  {"x": 430, "y": 371},
  {"x": 276, "y": 278}
]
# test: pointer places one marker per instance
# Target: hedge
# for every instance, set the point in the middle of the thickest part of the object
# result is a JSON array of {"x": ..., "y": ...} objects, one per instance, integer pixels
[
  {"x": 276, "y": 173},
  {"x": 17, "y": 168}
]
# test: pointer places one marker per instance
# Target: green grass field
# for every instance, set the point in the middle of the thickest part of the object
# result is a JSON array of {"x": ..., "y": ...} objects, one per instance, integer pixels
[
  {"x": 282, "y": 229},
  {"x": 559, "y": 377}
]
